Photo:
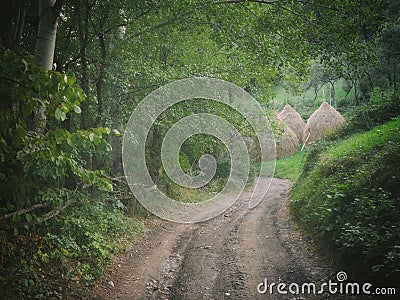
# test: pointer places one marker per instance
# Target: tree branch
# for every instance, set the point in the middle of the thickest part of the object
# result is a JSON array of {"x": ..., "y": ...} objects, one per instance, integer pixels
[
  {"x": 187, "y": 13},
  {"x": 165, "y": 23},
  {"x": 318, "y": 5},
  {"x": 20, "y": 24},
  {"x": 23, "y": 211},
  {"x": 19, "y": 83}
]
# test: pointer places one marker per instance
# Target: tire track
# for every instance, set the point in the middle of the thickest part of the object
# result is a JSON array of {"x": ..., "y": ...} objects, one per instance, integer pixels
[{"x": 222, "y": 258}]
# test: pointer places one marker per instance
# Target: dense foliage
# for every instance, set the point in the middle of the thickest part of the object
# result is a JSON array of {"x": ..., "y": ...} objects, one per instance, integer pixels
[
  {"x": 47, "y": 217},
  {"x": 382, "y": 107}
]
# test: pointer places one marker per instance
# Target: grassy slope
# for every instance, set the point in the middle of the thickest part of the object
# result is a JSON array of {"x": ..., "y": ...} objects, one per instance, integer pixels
[
  {"x": 349, "y": 198},
  {"x": 290, "y": 167}
]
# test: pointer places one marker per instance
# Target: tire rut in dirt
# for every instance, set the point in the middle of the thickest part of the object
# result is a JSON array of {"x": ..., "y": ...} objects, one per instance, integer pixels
[
  {"x": 231, "y": 254},
  {"x": 159, "y": 287},
  {"x": 225, "y": 257},
  {"x": 210, "y": 269}
]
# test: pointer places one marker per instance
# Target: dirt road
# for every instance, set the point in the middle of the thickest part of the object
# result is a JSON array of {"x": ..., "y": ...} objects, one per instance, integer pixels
[{"x": 223, "y": 258}]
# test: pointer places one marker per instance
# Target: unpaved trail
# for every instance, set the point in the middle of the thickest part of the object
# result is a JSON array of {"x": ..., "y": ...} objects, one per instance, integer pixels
[{"x": 223, "y": 258}]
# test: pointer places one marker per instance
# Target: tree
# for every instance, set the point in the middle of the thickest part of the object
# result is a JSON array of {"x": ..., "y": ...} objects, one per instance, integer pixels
[{"x": 49, "y": 11}]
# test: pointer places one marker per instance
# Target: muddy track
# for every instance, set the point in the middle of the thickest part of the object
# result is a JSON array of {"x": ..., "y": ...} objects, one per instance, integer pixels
[{"x": 223, "y": 258}]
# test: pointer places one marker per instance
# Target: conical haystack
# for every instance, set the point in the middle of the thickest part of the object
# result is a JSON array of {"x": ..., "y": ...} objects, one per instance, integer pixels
[
  {"x": 293, "y": 119},
  {"x": 287, "y": 142},
  {"x": 253, "y": 147},
  {"x": 322, "y": 122}
]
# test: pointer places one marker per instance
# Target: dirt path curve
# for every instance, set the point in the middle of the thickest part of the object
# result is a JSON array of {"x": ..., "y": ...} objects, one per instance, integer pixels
[{"x": 223, "y": 258}]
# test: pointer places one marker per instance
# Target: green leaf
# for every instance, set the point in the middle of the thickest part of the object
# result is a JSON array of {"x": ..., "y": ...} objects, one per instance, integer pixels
[
  {"x": 100, "y": 130},
  {"x": 116, "y": 132},
  {"x": 71, "y": 80},
  {"x": 77, "y": 109},
  {"x": 105, "y": 184},
  {"x": 9, "y": 206},
  {"x": 25, "y": 63},
  {"x": 92, "y": 177},
  {"x": 20, "y": 131},
  {"x": 96, "y": 140},
  {"x": 28, "y": 217},
  {"x": 60, "y": 114},
  {"x": 3, "y": 211}
]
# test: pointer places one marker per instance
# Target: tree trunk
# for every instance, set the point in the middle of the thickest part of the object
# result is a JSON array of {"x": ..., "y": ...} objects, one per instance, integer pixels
[
  {"x": 332, "y": 94},
  {"x": 83, "y": 34},
  {"x": 100, "y": 79},
  {"x": 389, "y": 73},
  {"x": 115, "y": 155},
  {"x": 355, "y": 92},
  {"x": 6, "y": 22},
  {"x": 49, "y": 11},
  {"x": 20, "y": 24}
]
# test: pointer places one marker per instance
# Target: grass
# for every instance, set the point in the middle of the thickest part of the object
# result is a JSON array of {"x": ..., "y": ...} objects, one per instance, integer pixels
[
  {"x": 285, "y": 168},
  {"x": 348, "y": 198},
  {"x": 290, "y": 167}
]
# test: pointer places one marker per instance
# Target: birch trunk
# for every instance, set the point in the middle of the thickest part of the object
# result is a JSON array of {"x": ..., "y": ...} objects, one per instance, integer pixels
[
  {"x": 49, "y": 10},
  {"x": 46, "y": 40}
]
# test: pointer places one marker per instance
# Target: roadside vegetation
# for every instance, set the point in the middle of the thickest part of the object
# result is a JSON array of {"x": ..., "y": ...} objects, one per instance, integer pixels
[
  {"x": 286, "y": 168},
  {"x": 348, "y": 194}
]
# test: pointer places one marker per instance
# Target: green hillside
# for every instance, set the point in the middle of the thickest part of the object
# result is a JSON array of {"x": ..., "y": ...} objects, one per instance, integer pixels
[{"x": 348, "y": 198}]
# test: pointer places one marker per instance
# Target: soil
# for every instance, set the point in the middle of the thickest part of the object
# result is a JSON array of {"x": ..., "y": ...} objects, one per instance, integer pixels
[{"x": 226, "y": 257}]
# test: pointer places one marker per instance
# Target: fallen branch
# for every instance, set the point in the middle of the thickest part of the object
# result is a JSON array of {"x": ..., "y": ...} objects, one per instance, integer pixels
[{"x": 23, "y": 211}]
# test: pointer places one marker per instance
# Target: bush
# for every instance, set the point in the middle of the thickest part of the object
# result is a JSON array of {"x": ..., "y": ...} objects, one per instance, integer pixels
[
  {"x": 67, "y": 253},
  {"x": 381, "y": 108},
  {"x": 58, "y": 224}
]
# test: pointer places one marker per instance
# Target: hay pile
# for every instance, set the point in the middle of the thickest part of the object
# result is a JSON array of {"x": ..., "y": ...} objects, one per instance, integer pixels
[
  {"x": 287, "y": 142},
  {"x": 293, "y": 119},
  {"x": 322, "y": 122},
  {"x": 254, "y": 150}
]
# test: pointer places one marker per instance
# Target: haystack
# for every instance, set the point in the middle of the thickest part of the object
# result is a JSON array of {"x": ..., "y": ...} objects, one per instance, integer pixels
[
  {"x": 253, "y": 147},
  {"x": 325, "y": 120},
  {"x": 293, "y": 119},
  {"x": 287, "y": 142}
]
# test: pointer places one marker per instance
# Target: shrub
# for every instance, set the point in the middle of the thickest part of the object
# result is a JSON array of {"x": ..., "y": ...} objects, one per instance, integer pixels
[
  {"x": 52, "y": 216},
  {"x": 381, "y": 108}
]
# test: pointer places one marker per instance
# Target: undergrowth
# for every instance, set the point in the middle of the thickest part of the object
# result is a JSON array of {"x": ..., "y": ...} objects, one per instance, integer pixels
[
  {"x": 348, "y": 197},
  {"x": 61, "y": 218},
  {"x": 64, "y": 255},
  {"x": 382, "y": 107}
]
